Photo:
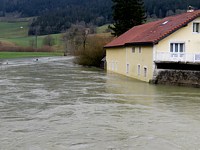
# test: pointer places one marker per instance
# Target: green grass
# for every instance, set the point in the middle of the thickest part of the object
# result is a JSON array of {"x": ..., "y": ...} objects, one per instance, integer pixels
[
  {"x": 13, "y": 29},
  {"x": 6, "y": 55},
  {"x": 102, "y": 29},
  {"x": 12, "y": 32},
  {"x": 25, "y": 41}
]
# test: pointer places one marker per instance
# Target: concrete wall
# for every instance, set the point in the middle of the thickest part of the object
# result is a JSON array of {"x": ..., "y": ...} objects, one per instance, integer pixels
[{"x": 178, "y": 77}]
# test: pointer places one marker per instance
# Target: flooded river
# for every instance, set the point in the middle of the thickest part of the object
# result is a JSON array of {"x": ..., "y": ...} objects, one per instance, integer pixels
[{"x": 52, "y": 104}]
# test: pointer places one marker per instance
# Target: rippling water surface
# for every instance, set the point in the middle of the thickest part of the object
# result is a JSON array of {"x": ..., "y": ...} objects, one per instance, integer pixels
[{"x": 52, "y": 104}]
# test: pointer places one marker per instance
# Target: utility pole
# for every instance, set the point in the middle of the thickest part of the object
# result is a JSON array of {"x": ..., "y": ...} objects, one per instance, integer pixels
[{"x": 36, "y": 35}]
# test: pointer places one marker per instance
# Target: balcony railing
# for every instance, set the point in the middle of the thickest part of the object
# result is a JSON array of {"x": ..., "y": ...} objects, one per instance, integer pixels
[{"x": 178, "y": 57}]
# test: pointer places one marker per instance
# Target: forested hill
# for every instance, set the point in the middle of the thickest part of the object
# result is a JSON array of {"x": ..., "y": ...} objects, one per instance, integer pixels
[
  {"x": 29, "y": 8},
  {"x": 57, "y": 15},
  {"x": 163, "y": 8}
]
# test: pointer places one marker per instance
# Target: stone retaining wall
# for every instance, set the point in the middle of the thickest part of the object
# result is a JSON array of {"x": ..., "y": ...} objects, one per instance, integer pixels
[{"x": 177, "y": 77}]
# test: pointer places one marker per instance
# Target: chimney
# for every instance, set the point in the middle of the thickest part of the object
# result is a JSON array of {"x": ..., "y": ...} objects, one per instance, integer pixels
[{"x": 190, "y": 9}]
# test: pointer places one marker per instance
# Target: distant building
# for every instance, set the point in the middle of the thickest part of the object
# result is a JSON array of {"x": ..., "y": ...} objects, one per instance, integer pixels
[{"x": 170, "y": 43}]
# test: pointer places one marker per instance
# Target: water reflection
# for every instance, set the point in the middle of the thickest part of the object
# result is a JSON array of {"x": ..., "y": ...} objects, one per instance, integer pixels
[{"x": 54, "y": 104}]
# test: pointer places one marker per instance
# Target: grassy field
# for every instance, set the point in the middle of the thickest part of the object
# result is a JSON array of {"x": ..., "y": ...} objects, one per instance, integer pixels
[
  {"x": 13, "y": 29},
  {"x": 16, "y": 32},
  {"x": 26, "y": 40},
  {"x": 5, "y": 55}
]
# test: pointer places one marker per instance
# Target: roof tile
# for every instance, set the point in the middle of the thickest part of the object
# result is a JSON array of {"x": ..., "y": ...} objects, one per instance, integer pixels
[{"x": 153, "y": 32}]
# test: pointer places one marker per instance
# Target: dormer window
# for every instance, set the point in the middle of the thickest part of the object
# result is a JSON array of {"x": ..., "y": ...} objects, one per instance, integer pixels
[{"x": 196, "y": 27}]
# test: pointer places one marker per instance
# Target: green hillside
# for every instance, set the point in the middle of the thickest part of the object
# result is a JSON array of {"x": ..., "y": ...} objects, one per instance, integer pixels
[
  {"x": 13, "y": 29},
  {"x": 17, "y": 33}
]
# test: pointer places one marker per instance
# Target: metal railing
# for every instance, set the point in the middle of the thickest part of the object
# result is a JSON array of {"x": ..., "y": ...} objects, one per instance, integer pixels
[{"x": 177, "y": 57}]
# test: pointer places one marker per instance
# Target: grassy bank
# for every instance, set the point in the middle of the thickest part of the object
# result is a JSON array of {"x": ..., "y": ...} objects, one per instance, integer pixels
[{"x": 6, "y": 55}]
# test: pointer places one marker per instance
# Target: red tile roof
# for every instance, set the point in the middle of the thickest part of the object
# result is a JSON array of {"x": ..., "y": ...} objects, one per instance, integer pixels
[{"x": 153, "y": 32}]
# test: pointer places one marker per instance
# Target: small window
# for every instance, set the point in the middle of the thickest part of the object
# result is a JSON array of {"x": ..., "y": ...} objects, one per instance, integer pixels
[
  {"x": 140, "y": 50},
  {"x": 133, "y": 49},
  {"x": 145, "y": 72},
  {"x": 171, "y": 47},
  {"x": 116, "y": 66},
  {"x": 177, "y": 47},
  {"x": 138, "y": 69},
  {"x": 196, "y": 27},
  {"x": 110, "y": 65},
  {"x": 127, "y": 68},
  {"x": 181, "y": 48},
  {"x": 113, "y": 66}
]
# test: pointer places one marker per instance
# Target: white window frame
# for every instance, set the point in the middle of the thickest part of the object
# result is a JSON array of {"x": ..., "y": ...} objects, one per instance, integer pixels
[
  {"x": 196, "y": 27},
  {"x": 176, "y": 50}
]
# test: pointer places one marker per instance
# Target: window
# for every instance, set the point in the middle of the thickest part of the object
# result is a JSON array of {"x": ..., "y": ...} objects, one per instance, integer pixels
[
  {"x": 116, "y": 66},
  {"x": 133, "y": 49},
  {"x": 145, "y": 71},
  {"x": 138, "y": 69},
  {"x": 177, "y": 49},
  {"x": 196, "y": 27},
  {"x": 140, "y": 50},
  {"x": 127, "y": 68},
  {"x": 113, "y": 66}
]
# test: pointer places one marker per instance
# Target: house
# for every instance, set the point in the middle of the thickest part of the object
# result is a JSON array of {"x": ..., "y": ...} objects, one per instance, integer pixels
[{"x": 170, "y": 43}]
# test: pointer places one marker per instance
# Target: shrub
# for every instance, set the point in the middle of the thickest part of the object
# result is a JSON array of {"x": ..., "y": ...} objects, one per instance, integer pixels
[
  {"x": 93, "y": 52},
  {"x": 5, "y": 48}
]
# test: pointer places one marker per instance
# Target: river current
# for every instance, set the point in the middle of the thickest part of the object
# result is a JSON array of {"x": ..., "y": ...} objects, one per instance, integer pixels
[{"x": 53, "y": 104}]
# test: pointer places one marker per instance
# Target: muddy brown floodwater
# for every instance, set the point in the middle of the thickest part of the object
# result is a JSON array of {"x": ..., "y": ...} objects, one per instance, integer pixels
[{"x": 52, "y": 104}]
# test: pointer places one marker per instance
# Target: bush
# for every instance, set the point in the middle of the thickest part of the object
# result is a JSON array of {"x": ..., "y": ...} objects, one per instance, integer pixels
[{"x": 93, "y": 52}]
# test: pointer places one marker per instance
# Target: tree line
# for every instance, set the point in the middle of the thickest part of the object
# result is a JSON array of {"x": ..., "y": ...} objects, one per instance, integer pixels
[{"x": 57, "y": 16}]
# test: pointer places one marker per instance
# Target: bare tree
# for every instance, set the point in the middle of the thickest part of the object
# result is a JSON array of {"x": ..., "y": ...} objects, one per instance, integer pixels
[
  {"x": 76, "y": 37},
  {"x": 49, "y": 40}
]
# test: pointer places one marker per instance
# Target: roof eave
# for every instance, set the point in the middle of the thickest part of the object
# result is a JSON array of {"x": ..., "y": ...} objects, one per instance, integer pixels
[
  {"x": 140, "y": 44},
  {"x": 132, "y": 44},
  {"x": 114, "y": 46}
]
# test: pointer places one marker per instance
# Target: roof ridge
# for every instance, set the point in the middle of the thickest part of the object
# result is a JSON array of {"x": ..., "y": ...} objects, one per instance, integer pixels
[{"x": 153, "y": 32}]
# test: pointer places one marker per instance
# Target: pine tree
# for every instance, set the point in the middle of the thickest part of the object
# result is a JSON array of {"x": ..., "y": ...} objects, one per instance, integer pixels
[{"x": 126, "y": 14}]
